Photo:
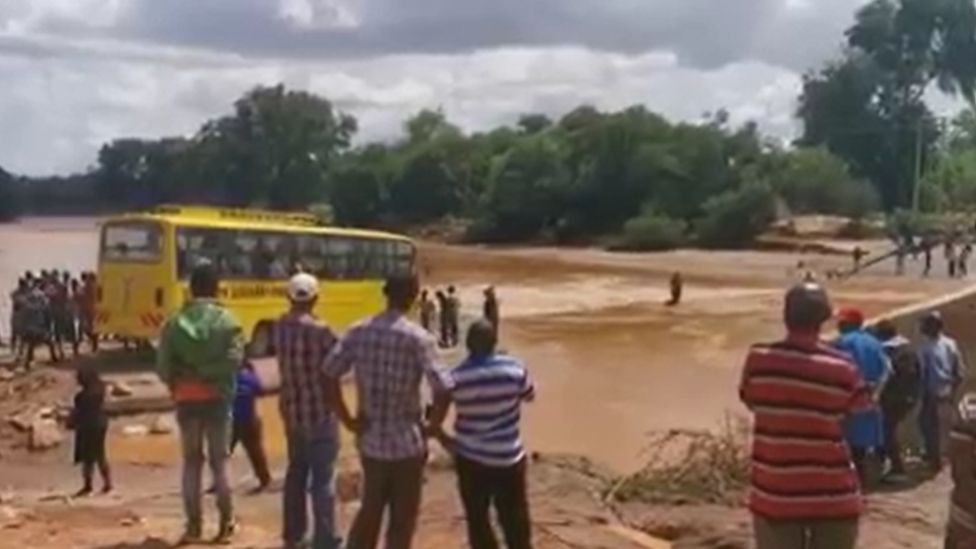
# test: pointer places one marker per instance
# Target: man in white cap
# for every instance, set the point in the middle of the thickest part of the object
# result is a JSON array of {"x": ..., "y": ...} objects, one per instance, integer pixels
[{"x": 301, "y": 343}]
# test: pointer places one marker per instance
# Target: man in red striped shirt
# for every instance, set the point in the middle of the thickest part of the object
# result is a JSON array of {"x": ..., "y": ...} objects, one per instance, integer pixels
[{"x": 805, "y": 492}]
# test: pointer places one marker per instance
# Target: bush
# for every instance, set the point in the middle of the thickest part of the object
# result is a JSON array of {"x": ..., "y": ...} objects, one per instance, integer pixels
[
  {"x": 735, "y": 218},
  {"x": 687, "y": 466},
  {"x": 651, "y": 231},
  {"x": 813, "y": 181}
]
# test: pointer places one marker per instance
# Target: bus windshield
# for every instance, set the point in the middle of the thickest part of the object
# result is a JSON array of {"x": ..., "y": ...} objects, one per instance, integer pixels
[
  {"x": 268, "y": 255},
  {"x": 131, "y": 242}
]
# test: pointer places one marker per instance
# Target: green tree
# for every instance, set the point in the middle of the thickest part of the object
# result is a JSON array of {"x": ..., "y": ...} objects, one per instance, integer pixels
[
  {"x": 815, "y": 181},
  {"x": 426, "y": 188},
  {"x": 428, "y": 125},
  {"x": 652, "y": 231},
  {"x": 734, "y": 219},
  {"x": 526, "y": 191},
  {"x": 277, "y": 147},
  {"x": 531, "y": 124},
  {"x": 951, "y": 185},
  {"x": 10, "y": 197},
  {"x": 359, "y": 193},
  {"x": 869, "y": 108}
]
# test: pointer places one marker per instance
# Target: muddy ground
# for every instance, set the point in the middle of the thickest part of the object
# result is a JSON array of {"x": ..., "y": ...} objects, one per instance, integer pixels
[{"x": 611, "y": 361}]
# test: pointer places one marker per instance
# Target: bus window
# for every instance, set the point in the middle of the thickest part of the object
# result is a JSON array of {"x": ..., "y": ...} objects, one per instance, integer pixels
[
  {"x": 338, "y": 252},
  {"x": 311, "y": 254},
  {"x": 194, "y": 246},
  {"x": 140, "y": 242},
  {"x": 403, "y": 255},
  {"x": 278, "y": 254},
  {"x": 241, "y": 254}
]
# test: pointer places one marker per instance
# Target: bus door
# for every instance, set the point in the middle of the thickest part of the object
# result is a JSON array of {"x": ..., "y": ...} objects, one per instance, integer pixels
[{"x": 132, "y": 280}]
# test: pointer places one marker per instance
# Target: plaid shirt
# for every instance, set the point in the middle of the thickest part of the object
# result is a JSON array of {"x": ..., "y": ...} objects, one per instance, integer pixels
[
  {"x": 389, "y": 355},
  {"x": 301, "y": 343}
]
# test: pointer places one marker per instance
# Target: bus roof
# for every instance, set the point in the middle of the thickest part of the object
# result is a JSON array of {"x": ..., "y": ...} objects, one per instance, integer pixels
[{"x": 239, "y": 218}]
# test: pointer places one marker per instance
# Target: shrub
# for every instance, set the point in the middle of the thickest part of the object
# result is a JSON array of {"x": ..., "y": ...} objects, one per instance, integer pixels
[
  {"x": 735, "y": 218},
  {"x": 651, "y": 231}
]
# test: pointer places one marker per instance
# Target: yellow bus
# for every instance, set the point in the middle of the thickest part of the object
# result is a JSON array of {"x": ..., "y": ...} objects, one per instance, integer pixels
[{"x": 145, "y": 259}]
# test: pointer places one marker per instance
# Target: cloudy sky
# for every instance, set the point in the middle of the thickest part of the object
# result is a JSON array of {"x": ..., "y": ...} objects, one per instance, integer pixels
[{"x": 76, "y": 73}]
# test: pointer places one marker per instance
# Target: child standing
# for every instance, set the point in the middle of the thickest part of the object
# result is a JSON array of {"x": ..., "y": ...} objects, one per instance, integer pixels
[
  {"x": 91, "y": 425},
  {"x": 247, "y": 423}
]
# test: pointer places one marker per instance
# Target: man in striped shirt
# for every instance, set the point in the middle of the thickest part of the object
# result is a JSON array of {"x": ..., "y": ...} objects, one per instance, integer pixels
[
  {"x": 488, "y": 390},
  {"x": 805, "y": 491}
]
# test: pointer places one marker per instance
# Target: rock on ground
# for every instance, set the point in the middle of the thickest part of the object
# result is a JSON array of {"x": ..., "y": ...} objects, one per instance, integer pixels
[
  {"x": 162, "y": 425},
  {"x": 44, "y": 435}
]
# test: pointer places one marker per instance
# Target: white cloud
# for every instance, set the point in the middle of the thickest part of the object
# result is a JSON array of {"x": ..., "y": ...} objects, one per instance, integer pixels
[
  {"x": 77, "y": 73},
  {"x": 65, "y": 108}
]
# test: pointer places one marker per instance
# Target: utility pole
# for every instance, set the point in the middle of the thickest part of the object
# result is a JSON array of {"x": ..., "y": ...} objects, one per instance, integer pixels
[{"x": 916, "y": 191}]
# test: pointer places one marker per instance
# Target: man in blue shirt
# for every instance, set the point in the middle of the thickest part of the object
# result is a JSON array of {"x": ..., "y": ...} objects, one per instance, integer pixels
[
  {"x": 864, "y": 430},
  {"x": 942, "y": 369},
  {"x": 488, "y": 390}
]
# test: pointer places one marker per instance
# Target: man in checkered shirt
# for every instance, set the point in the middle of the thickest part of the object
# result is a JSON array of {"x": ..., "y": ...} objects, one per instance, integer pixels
[
  {"x": 301, "y": 343},
  {"x": 389, "y": 355}
]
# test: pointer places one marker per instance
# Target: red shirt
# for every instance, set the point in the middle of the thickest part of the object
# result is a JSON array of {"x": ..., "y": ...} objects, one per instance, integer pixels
[{"x": 801, "y": 392}]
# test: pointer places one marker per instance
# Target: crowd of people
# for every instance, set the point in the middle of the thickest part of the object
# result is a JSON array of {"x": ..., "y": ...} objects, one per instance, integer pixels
[
  {"x": 823, "y": 412},
  {"x": 957, "y": 249},
  {"x": 201, "y": 357},
  {"x": 52, "y": 309},
  {"x": 442, "y": 314}
]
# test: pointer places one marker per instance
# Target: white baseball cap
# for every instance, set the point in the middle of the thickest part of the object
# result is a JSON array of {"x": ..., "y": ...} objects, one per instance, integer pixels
[{"x": 303, "y": 287}]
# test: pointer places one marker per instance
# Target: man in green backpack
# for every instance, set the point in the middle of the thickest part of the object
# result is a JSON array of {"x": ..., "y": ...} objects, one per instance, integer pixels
[{"x": 199, "y": 353}]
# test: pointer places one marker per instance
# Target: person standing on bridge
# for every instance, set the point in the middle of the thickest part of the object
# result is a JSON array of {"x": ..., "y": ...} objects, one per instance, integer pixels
[
  {"x": 427, "y": 311},
  {"x": 942, "y": 368},
  {"x": 491, "y": 309},
  {"x": 389, "y": 356},
  {"x": 301, "y": 343},
  {"x": 967, "y": 251},
  {"x": 927, "y": 252},
  {"x": 951, "y": 258},
  {"x": 200, "y": 349},
  {"x": 864, "y": 430},
  {"x": 900, "y": 394},
  {"x": 800, "y": 391},
  {"x": 453, "y": 317},
  {"x": 488, "y": 390}
]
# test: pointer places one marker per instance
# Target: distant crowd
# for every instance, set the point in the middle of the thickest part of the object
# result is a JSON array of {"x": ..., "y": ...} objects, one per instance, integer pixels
[
  {"x": 52, "y": 309},
  {"x": 829, "y": 418},
  {"x": 442, "y": 315}
]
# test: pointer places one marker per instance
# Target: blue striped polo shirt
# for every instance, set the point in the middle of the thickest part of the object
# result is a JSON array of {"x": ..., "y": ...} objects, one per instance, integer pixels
[{"x": 488, "y": 393}]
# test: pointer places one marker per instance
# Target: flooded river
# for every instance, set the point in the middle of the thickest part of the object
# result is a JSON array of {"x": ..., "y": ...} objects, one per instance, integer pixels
[{"x": 611, "y": 362}]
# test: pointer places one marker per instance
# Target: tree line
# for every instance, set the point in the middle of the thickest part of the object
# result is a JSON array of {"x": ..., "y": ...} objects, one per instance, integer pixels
[{"x": 629, "y": 178}]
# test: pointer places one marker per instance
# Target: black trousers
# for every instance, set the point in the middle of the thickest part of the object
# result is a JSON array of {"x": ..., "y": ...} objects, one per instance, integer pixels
[
  {"x": 250, "y": 433},
  {"x": 894, "y": 413},
  {"x": 503, "y": 488}
]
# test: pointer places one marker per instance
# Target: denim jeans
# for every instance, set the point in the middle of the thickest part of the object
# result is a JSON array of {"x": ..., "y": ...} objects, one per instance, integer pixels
[
  {"x": 205, "y": 423},
  {"x": 311, "y": 464}
]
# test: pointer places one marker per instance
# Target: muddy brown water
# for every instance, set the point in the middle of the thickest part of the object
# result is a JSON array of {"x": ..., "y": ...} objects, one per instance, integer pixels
[{"x": 611, "y": 362}]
